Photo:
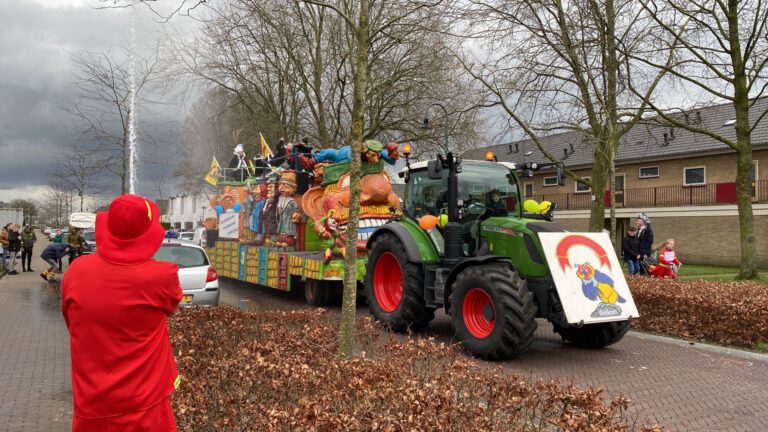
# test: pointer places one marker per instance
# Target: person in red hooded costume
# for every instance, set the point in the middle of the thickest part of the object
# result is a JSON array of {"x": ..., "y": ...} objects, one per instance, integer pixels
[{"x": 115, "y": 304}]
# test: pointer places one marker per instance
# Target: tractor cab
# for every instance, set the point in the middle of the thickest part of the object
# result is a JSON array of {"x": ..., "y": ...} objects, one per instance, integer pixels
[{"x": 484, "y": 190}]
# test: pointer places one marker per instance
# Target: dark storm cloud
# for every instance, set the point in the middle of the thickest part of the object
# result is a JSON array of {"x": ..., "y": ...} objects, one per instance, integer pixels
[{"x": 37, "y": 82}]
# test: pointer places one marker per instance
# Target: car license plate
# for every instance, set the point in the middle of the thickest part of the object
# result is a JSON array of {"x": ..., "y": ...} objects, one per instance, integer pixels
[{"x": 186, "y": 299}]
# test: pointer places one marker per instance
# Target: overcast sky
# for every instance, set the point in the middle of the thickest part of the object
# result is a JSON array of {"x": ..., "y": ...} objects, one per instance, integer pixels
[{"x": 37, "y": 40}]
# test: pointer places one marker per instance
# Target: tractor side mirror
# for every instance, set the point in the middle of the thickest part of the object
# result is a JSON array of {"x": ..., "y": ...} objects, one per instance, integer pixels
[
  {"x": 435, "y": 170},
  {"x": 560, "y": 176}
]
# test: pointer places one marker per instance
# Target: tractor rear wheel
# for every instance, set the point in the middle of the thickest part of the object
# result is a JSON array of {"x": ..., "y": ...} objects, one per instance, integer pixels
[
  {"x": 394, "y": 286},
  {"x": 493, "y": 311},
  {"x": 318, "y": 293},
  {"x": 594, "y": 335}
]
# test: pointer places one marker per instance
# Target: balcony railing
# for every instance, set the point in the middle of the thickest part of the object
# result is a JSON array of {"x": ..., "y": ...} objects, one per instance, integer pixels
[{"x": 664, "y": 196}]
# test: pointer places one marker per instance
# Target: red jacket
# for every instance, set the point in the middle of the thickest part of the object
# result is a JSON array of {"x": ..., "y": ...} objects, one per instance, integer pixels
[{"x": 115, "y": 304}]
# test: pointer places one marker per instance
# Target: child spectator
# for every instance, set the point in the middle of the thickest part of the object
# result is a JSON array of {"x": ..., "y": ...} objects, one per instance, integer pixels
[
  {"x": 630, "y": 249},
  {"x": 668, "y": 262}
]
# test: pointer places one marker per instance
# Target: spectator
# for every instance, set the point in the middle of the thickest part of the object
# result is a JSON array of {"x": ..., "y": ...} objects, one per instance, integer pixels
[
  {"x": 630, "y": 251},
  {"x": 77, "y": 242},
  {"x": 4, "y": 246},
  {"x": 644, "y": 235},
  {"x": 123, "y": 369},
  {"x": 172, "y": 234},
  {"x": 28, "y": 239},
  {"x": 59, "y": 238},
  {"x": 668, "y": 262},
  {"x": 52, "y": 255},
  {"x": 14, "y": 247}
]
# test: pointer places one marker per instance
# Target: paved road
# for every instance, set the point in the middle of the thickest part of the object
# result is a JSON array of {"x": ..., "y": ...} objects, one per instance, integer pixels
[
  {"x": 685, "y": 387},
  {"x": 36, "y": 394}
]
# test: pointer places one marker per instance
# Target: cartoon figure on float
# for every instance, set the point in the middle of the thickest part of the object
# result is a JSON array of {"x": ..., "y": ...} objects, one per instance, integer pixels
[
  {"x": 370, "y": 151},
  {"x": 287, "y": 210}
]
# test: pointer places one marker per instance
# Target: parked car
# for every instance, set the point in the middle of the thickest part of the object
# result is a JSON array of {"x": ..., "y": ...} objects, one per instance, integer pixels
[
  {"x": 90, "y": 242},
  {"x": 46, "y": 230},
  {"x": 199, "y": 280},
  {"x": 199, "y": 236},
  {"x": 186, "y": 235}
]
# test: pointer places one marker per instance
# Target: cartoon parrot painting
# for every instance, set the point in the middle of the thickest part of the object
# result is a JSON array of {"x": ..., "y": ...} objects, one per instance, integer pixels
[{"x": 598, "y": 286}]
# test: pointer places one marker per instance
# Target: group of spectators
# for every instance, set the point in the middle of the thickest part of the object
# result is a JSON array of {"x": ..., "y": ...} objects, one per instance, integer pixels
[
  {"x": 14, "y": 242},
  {"x": 645, "y": 257}
]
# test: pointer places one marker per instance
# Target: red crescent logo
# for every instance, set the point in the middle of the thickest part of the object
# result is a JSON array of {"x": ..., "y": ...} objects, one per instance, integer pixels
[{"x": 565, "y": 245}]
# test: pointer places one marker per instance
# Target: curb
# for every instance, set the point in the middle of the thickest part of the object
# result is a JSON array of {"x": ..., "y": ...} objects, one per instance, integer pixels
[{"x": 701, "y": 346}]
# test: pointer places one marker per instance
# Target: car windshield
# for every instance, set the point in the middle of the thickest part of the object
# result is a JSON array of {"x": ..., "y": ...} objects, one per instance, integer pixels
[
  {"x": 89, "y": 236},
  {"x": 184, "y": 256}
]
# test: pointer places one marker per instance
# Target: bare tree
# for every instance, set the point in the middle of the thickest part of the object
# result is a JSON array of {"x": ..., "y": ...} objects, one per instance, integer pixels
[
  {"x": 723, "y": 51},
  {"x": 103, "y": 110},
  {"x": 170, "y": 9},
  {"x": 78, "y": 170},
  {"x": 31, "y": 208},
  {"x": 555, "y": 66},
  {"x": 289, "y": 64},
  {"x": 57, "y": 204}
]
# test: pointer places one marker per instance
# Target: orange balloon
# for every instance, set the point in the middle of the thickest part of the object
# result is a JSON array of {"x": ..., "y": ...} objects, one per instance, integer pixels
[{"x": 428, "y": 222}]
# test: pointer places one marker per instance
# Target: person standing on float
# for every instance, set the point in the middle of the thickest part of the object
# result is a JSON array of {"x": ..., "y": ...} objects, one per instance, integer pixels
[{"x": 115, "y": 304}]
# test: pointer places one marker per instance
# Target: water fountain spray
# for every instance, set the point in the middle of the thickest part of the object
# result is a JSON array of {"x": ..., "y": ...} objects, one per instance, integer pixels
[{"x": 133, "y": 151}]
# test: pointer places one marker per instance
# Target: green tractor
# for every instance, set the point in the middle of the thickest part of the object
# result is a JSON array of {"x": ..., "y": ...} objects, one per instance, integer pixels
[{"x": 483, "y": 262}]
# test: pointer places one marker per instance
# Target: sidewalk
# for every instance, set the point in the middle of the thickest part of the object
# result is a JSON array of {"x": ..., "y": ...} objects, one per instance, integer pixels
[{"x": 36, "y": 394}]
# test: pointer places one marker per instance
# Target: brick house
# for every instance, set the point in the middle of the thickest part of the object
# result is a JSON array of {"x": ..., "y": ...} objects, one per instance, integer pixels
[{"x": 685, "y": 182}]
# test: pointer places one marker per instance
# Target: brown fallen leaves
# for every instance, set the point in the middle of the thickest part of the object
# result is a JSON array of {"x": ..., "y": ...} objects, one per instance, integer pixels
[
  {"x": 278, "y": 371},
  {"x": 731, "y": 313}
]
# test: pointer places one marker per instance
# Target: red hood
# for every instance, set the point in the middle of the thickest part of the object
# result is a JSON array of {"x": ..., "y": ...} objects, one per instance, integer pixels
[{"x": 130, "y": 232}]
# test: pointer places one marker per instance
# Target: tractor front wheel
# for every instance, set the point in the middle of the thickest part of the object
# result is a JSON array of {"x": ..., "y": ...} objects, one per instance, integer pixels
[
  {"x": 594, "y": 335},
  {"x": 394, "y": 286},
  {"x": 493, "y": 311}
]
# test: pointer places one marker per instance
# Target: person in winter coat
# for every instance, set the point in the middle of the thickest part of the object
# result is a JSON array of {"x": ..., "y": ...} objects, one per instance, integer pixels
[
  {"x": 123, "y": 369},
  {"x": 630, "y": 250},
  {"x": 76, "y": 240},
  {"x": 171, "y": 234},
  {"x": 59, "y": 238},
  {"x": 4, "y": 246},
  {"x": 14, "y": 247},
  {"x": 668, "y": 262},
  {"x": 644, "y": 236},
  {"x": 52, "y": 255},
  {"x": 28, "y": 239}
]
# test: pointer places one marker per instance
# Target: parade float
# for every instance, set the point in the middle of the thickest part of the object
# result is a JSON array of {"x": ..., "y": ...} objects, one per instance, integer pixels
[{"x": 281, "y": 221}]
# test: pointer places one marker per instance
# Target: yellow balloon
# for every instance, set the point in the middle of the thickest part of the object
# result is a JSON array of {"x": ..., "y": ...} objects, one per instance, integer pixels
[
  {"x": 545, "y": 207},
  {"x": 442, "y": 220},
  {"x": 531, "y": 206},
  {"x": 428, "y": 222}
]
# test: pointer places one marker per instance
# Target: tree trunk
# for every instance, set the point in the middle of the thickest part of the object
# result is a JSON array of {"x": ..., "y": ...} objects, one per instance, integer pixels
[
  {"x": 124, "y": 160},
  {"x": 597, "y": 187},
  {"x": 348, "y": 304}
]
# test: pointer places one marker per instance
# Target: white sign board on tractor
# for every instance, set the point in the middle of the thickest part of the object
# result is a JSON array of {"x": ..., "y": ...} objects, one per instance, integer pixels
[
  {"x": 588, "y": 277},
  {"x": 229, "y": 225}
]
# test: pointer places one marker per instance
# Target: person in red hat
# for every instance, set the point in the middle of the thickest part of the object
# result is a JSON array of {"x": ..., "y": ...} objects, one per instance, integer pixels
[{"x": 115, "y": 304}]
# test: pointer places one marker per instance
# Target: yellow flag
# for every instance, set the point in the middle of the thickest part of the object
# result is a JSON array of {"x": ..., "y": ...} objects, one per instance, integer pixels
[
  {"x": 266, "y": 152},
  {"x": 212, "y": 172}
]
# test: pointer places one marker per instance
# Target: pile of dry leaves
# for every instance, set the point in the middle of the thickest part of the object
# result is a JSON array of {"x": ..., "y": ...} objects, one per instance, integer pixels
[
  {"x": 249, "y": 371},
  {"x": 732, "y": 313}
]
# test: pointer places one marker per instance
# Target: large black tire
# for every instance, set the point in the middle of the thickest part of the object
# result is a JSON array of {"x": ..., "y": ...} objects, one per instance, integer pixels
[
  {"x": 394, "y": 286},
  {"x": 493, "y": 311},
  {"x": 594, "y": 336},
  {"x": 318, "y": 293}
]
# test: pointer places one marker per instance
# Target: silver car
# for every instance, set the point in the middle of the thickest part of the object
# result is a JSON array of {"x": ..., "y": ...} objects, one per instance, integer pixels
[{"x": 199, "y": 280}]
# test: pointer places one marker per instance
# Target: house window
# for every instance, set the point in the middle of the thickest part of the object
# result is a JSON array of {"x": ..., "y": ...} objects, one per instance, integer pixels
[
  {"x": 549, "y": 181},
  {"x": 694, "y": 176},
  {"x": 649, "y": 172},
  {"x": 582, "y": 187},
  {"x": 528, "y": 190}
]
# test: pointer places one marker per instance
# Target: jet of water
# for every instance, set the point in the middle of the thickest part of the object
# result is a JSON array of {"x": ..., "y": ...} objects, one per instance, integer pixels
[{"x": 133, "y": 151}]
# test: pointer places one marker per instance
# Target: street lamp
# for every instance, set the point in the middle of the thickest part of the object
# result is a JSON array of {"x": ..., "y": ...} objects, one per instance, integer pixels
[{"x": 426, "y": 121}]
